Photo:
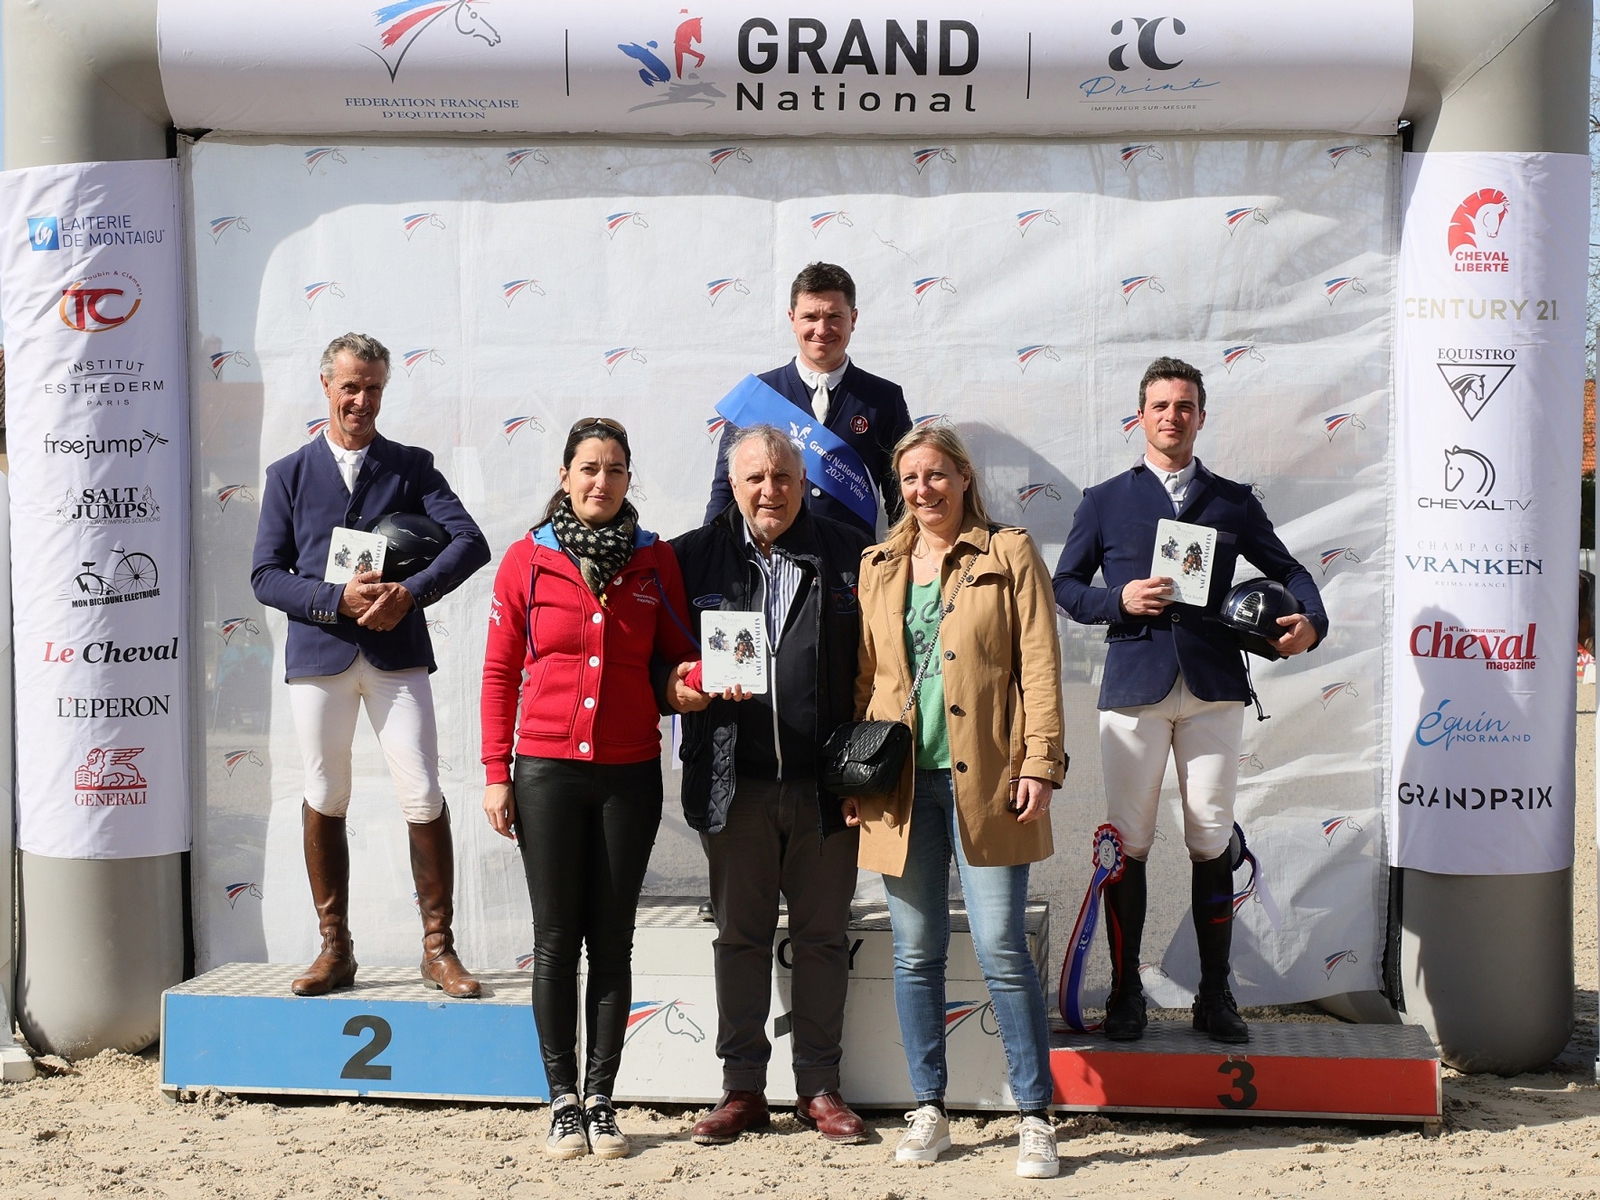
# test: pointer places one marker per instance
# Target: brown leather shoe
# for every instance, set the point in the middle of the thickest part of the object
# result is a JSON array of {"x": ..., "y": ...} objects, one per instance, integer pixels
[
  {"x": 736, "y": 1112},
  {"x": 830, "y": 1116},
  {"x": 433, "y": 869},
  {"x": 328, "y": 868}
]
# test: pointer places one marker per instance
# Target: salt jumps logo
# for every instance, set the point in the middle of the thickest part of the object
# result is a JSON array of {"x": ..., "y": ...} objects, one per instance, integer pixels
[
  {"x": 616, "y": 220},
  {"x": 100, "y": 302},
  {"x": 1469, "y": 467},
  {"x": 412, "y": 359},
  {"x": 716, "y": 287},
  {"x": 1236, "y": 217},
  {"x": 1333, "y": 825},
  {"x": 723, "y": 153},
  {"x": 234, "y": 890},
  {"x": 110, "y": 778},
  {"x": 1029, "y": 491},
  {"x": 1337, "y": 154},
  {"x": 312, "y": 292},
  {"x": 1482, "y": 214},
  {"x": 1029, "y": 216},
  {"x": 682, "y": 87},
  {"x": 1244, "y": 350},
  {"x": 1331, "y": 288},
  {"x": 223, "y": 357},
  {"x": 416, "y": 221},
  {"x": 1332, "y": 691},
  {"x": 315, "y": 426},
  {"x": 1474, "y": 387},
  {"x": 1139, "y": 149},
  {"x": 512, "y": 288},
  {"x": 921, "y": 287},
  {"x": 317, "y": 154},
  {"x": 1026, "y": 354},
  {"x": 221, "y": 225},
  {"x": 821, "y": 220},
  {"x": 402, "y": 23},
  {"x": 921, "y": 158},
  {"x": 671, "y": 1017},
  {"x": 233, "y": 759},
  {"x": 1334, "y": 422},
  {"x": 232, "y": 625},
  {"x": 515, "y": 158},
  {"x": 1337, "y": 554},
  {"x": 1133, "y": 283},
  {"x": 958, "y": 1012},
  {"x": 618, "y": 353},
  {"x": 1332, "y": 962},
  {"x": 233, "y": 491}
]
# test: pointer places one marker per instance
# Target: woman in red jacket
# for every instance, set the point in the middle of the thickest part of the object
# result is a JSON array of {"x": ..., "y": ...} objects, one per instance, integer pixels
[{"x": 581, "y": 605}]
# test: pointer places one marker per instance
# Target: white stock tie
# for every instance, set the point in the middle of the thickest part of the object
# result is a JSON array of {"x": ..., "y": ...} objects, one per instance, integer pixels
[
  {"x": 347, "y": 468},
  {"x": 819, "y": 397},
  {"x": 1175, "y": 489}
]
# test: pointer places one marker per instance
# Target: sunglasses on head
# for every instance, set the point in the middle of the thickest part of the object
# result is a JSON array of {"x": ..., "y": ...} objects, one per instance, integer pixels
[{"x": 605, "y": 423}]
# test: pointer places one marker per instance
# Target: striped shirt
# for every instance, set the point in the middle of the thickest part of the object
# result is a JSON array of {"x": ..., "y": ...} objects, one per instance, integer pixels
[{"x": 782, "y": 577}]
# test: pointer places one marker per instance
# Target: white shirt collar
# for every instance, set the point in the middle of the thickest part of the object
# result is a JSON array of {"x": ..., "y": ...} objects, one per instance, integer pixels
[
  {"x": 1185, "y": 476},
  {"x": 341, "y": 455},
  {"x": 811, "y": 377}
]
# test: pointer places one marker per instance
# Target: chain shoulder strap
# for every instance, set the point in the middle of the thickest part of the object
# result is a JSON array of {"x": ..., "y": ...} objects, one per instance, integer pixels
[{"x": 933, "y": 643}]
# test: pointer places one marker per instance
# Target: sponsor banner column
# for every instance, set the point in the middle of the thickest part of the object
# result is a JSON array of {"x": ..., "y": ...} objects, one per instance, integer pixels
[
  {"x": 1489, "y": 382},
  {"x": 94, "y": 334}
]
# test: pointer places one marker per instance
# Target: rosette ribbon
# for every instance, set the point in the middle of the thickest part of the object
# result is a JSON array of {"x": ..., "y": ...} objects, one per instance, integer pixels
[
  {"x": 1239, "y": 855},
  {"x": 1109, "y": 862}
]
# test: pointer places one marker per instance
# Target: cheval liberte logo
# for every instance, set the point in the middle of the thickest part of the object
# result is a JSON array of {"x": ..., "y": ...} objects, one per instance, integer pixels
[{"x": 1475, "y": 224}]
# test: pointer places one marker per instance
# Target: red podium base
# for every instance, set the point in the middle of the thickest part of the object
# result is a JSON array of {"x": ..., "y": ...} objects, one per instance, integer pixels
[{"x": 1322, "y": 1071}]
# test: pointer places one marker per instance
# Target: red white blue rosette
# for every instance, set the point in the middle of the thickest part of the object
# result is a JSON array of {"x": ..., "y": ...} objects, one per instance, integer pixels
[
  {"x": 1240, "y": 854},
  {"x": 1109, "y": 862}
]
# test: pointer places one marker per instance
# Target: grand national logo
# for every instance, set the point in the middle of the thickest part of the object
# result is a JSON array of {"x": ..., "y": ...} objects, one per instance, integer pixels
[
  {"x": 402, "y": 25},
  {"x": 102, "y": 301},
  {"x": 107, "y": 506},
  {"x": 1479, "y": 219},
  {"x": 110, "y": 778},
  {"x": 682, "y": 75}
]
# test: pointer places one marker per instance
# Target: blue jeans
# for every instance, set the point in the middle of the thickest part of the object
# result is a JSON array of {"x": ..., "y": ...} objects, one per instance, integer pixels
[{"x": 919, "y": 910}]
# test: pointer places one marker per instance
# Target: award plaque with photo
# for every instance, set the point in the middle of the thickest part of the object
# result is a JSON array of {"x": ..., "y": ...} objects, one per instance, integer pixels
[
  {"x": 734, "y": 651},
  {"x": 1184, "y": 555},
  {"x": 352, "y": 552}
]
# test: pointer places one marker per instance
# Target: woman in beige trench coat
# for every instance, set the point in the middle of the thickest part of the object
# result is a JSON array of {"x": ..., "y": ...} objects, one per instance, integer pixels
[{"x": 973, "y": 599}]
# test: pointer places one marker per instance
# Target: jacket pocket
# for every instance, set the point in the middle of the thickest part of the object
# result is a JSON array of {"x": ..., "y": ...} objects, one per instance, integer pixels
[
  {"x": 550, "y": 703},
  {"x": 1128, "y": 631}
]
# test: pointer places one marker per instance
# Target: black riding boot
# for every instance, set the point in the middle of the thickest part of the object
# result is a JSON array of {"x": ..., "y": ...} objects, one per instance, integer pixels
[
  {"x": 1125, "y": 907},
  {"x": 1211, "y": 894}
]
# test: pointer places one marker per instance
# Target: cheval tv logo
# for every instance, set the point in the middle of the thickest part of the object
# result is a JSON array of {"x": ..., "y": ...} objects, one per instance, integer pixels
[
  {"x": 109, "y": 778},
  {"x": 105, "y": 300},
  {"x": 1481, "y": 215},
  {"x": 402, "y": 24}
]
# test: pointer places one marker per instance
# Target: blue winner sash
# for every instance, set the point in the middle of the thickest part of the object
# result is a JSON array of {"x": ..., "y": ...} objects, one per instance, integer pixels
[{"x": 831, "y": 464}]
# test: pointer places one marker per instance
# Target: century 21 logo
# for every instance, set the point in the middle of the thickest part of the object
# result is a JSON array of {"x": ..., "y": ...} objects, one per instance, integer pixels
[
  {"x": 1144, "y": 30},
  {"x": 100, "y": 302}
]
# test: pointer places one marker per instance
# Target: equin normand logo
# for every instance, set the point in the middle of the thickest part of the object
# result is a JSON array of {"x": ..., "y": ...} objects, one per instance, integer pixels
[{"x": 402, "y": 24}]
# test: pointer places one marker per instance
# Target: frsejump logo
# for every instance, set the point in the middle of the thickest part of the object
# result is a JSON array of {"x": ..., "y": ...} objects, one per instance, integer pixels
[
  {"x": 928, "y": 283},
  {"x": 669, "y": 1013},
  {"x": 1236, "y": 217},
  {"x": 1482, "y": 214},
  {"x": 312, "y": 292},
  {"x": 515, "y": 158},
  {"x": 315, "y": 426},
  {"x": 1028, "y": 492},
  {"x": 832, "y": 216},
  {"x": 511, "y": 426},
  {"x": 1333, "y": 422},
  {"x": 1128, "y": 154},
  {"x": 1244, "y": 350},
  {"x": 1136, "y": 283},
  {"x": 1026, "y": 354},
  {"x": 415, "y": 221},
  {"x": 233, "y": 491},
  {"x": 512, "y": 288},
  {"x": 412, "y": 359},
  {"x": 616, "y": 220},
  {"x": 1333, "y": 962},
  {"x": 318, "y": 154},
  {"x": 715, "y": 426},
  {"x": 618, "y": 354},
  {"x": 232, "y": 760},
  {"x": 234, "y": 890},
  {"x": 682, "y": 87},
  {"x": 1335, "y": 554},
  {"x": 229, "y": 626},
  {"x": 1028, "y": 217},
  {"x": 221, "y": 225},
  {"x": 716, "y": 287},
  {"x": 109, "y": 778},
  {"x": 723, "y": 153},
  {"x": 1333, "y": 288},
  {"x": 958, "y": 1012},
  {"x": 402, "y": 23},
  {"x": 1332, "y": 691},
  {"x": 1337, "y": 154},
  {"x": 223, "y": 357},
  {"x": 921, "y": 158},
  {"x": 1129, "y": 423},
  {"x": 100, "y": 302},
  {"x": 1332, "y": 825}
]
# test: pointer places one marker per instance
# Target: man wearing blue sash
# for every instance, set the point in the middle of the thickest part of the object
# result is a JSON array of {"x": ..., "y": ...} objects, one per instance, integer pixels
[{"x": 823, "y": 396}]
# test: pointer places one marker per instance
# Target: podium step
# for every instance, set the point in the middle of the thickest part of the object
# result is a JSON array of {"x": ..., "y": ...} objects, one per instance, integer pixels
[{"x": 1287, "y": 1069}]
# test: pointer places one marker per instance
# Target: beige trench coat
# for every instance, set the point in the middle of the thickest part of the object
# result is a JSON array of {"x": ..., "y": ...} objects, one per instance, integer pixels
[{"x": 1002, "y": 692}]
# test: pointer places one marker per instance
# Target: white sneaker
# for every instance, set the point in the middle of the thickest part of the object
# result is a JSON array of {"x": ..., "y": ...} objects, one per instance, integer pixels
[
  {"x": 1036, "y": 1149},
  {"x": 927, "y": 1135},
  {"x": 600, "y": 1124},
  {"x": 566, "y": 1138}
]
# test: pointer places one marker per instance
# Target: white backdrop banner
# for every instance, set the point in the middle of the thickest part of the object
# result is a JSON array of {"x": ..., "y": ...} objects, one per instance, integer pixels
[
  {"x": 1017, "y": 291},
  {"x": 1489, "y": 444},
  {"x": 96, "y": 379},
  {"x": 734, "y": 68}
]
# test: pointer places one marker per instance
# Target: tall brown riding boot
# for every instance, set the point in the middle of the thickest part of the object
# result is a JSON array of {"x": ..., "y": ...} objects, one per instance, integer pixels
[
  {"x": 328, "y": 867},
  {"x": 433, "y": 868}
]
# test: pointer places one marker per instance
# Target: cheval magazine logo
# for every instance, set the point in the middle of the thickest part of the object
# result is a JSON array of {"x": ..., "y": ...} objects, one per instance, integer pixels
[
  {"x": 102, "y": 301},
  {"x": 403, "y": 24},
  {"x": 1481, "y": 215},
  {"x": 682, "y": 87},
  {"x": 109, "y": 777}
]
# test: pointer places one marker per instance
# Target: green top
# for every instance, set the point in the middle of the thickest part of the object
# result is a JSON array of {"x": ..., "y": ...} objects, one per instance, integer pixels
[{"x": 922, "y": 623}]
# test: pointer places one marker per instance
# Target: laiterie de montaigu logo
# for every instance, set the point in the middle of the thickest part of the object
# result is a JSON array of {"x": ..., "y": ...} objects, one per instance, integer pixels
[{"x": 403, "y": 24}]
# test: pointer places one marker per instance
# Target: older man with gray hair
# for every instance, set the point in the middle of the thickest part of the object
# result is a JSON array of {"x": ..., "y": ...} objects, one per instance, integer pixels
[{"x": 752, "y": 785}]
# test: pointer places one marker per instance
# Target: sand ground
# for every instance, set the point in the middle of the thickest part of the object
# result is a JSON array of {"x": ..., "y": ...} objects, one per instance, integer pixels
[{"x": 102, "y": 1128}]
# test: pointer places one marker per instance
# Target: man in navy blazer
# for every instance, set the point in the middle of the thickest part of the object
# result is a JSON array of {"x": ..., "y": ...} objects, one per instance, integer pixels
[
  {"x": 364, "y": 641},
  {"x": 868, "y": 413},
  {"x": 1175, "y": 679}
]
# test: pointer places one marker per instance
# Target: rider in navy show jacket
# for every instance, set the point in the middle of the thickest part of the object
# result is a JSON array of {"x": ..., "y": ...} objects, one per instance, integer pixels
[{"x": 304, "y": 501}]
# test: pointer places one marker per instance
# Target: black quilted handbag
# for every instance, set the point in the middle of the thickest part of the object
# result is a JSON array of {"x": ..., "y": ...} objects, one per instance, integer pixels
[{"x": 866, "y": 758}]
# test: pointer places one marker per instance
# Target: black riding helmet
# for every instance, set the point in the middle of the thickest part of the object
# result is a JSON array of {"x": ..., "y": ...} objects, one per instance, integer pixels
[
  {"x": 415, "y": 541},
  {"x": 1252, "y": 608}
]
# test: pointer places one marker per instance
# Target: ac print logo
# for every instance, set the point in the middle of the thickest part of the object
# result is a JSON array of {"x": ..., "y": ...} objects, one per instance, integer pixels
[
  {"x": 1482, "y": 214},
  {"x": 515, "y": 158},
  {"x": 669, "y": 1014},
  {"x": 233, "y": 491},
  {"x": 1332, "y": 691},
  {"x": 716, "y": 287},
  {"x": 1335, "y": 287},
  {"x": 110, "y": 778},
  {"x": 1134, "y": 283},
  {"x": 618, "y": 353},
  {"x": 234, "y": 890},
  {"x": 1028, "y": 217},
  {"x": 723, "y": 153},
  {"x": 928, "y": 283},
  {"x": 1128, "y": 154},
  {"x": 1333, "y": 962},
  {"x": 223, "y": 357},
  {"x": 412, "y": 359},
  {"x": 132, "y": 576},
  {"x": 312, "y": 292},
  {"x": 232, "y": 759},
  {"x": 1243, "y": 351},
  {"x": 415, "y": 221},
  {"x": 1334, "y": 422},
  {"x": 1029, "y": 491},
  {"x": 402, "y": 23},
  {"x": 1337, "y": 154},
  {"x": 1236, "y": 217},
  {"x": 1336, "y": 554},
  {"x": 221, "y": 225},
  {"x": 616, "y": 220},
  {"x": 102, "y": 301},
  {"x": 833, "y": 216},
  {"x": 1474, "y": 375},
  {"x": 682, "y": 87},
  {"x": 512, "y": 288},
  {"x": 1144, "y": 31},
  {"x": 229, "y": 626},
  {"x": 1332, "y": 825},
  {"x": 921, "y": 158}
]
